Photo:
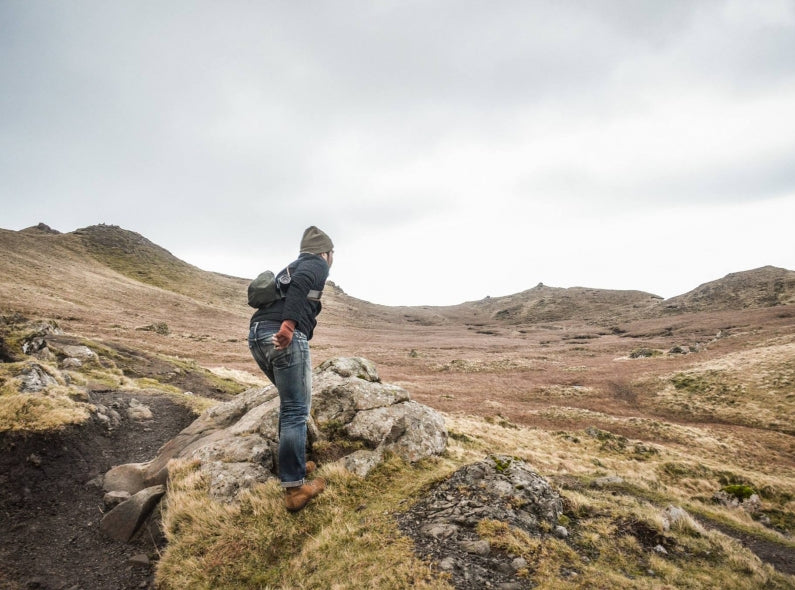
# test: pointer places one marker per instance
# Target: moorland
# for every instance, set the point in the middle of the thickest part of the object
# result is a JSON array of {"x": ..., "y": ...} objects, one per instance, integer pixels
[{"x": 626, "y": 402}]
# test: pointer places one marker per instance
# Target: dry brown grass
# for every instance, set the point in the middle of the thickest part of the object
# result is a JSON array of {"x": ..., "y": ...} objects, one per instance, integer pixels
[
  {"x": 676, "y": 427},
  {"x": 613, "y": 528}
]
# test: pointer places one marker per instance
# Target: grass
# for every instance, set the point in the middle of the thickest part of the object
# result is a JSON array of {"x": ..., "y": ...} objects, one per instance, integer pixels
[
  {"x": 65, "y": 401},
  {"x": 348, "y": 537},
  {"x": 56, "y": 406},
  {"x": 37, "y": 413},
  {"x": 345, "y": 539},
  {"x": 751, "y": 388}
]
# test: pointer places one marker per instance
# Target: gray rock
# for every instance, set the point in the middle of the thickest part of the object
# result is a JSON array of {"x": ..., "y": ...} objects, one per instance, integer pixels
[
  {"x": 448, "y": 564},
  {"x": 610, "y": 480},
  {"x": 125, "y": 478},
  {"x": 752, "y": 505},
  {"x": 138, "y": 411},
  {"x": 499, "y": 488},
  {"x": 36, "y": 340},
  {"x": 113, "y": 499},
  {"x": 673, "y": 515},
  {"x": 140, "y": 560},
  {"x": 123, "y": 521},
  {"x": 410, "y": 430},
  {"x": 108, "y": 417},
  {"x": 82, "y": 353},
  {"x": 363, "y": 462},
  {"x": 660, "y": 550},
  {"x": 439, "y": 530},
  {"x": 237, "y": 442},
  {"x": 34, "y": 378},
  {"x": 477, "y": 547},
  {"x": 561, "y": 532},
  {"x": 96, "y": 482}
]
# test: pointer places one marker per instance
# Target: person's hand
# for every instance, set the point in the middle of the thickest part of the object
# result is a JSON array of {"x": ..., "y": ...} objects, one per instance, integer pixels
[{"x": 284, "y": 336}]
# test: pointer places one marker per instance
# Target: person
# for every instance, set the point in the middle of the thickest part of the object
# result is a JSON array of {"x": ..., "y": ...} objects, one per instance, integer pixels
[{"x": 278, "y": 338}]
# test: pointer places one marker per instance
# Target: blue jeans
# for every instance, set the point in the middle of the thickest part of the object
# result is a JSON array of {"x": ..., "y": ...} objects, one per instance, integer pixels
[{"x": 290, "y": 370}]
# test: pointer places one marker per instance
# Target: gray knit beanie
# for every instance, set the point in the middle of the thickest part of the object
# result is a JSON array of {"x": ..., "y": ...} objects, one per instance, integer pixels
[{"x": 315, "y": 241}]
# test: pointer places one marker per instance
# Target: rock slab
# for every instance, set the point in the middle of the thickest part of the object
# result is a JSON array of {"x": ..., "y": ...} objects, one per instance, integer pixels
[
  {"x": 444, "y": 523},
  {"x": 236, "y": 442}
]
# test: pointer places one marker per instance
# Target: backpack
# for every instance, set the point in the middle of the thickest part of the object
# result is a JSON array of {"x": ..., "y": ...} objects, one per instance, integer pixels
[
  {"x": 268, "y": 288},
  {"x": 263, "y": 291}
]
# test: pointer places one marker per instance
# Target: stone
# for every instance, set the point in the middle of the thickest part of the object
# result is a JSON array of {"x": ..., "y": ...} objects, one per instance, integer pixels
[
  {"x": 477, "y": 547},
  {"x": 363, "y": 462},
  {"x": 113, "y": 499},
  {"x": 410, "y": 430},
  {"x": 96, "y": 482},
  {"x": 439, "y": 530},
  {"x": 660, "y": 550},
  {"x": 752, "y": 504},
  {"x": 36, "y": 340},
  {"x": 35, "y": 378},
  {"x": 71, "y": 363},
  {"x": 561, "y": 532},
  {"x": 141, "y": 560},
  {"x": 108, "y": 417},
  {"x": 138, "y": 411},
  {"x": 125, "y": 478},
  {"x": 79, "y": 352},
  {"x": 236, "y": 442},
  {"x": 448, "y": 564},
  {"x": 610, "y": 480},
  {"x": 123, "y": 521},
  {"x": 672, "y": 515},
  {"x": 443, "y": 523}
]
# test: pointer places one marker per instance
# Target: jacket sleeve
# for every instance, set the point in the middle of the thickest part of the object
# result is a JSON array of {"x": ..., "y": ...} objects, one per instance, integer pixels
[{"x": 310, "y": 274}]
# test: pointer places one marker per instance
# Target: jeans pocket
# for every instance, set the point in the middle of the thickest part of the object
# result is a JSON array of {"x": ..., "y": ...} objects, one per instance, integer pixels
[{"x": 281, "y": 358}]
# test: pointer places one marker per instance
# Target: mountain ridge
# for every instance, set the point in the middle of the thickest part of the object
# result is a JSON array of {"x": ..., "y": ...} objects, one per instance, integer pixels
[{"x": 134, "y": 256}]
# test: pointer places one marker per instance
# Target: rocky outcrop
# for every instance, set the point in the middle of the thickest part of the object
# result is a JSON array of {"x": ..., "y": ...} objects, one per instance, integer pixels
[
  {"x": 351, "y": 398},
  {"x": 34, "y": 378},
  {"x": 236, "y": 442},
  {"x": 504, "y": 490}
]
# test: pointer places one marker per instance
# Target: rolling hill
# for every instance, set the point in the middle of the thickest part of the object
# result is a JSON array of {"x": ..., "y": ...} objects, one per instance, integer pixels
[{"x": 626, "y": 402}]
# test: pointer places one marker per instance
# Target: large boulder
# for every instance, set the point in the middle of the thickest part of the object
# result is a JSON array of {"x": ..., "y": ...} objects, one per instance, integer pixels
[{"x": 237, "y": 442}]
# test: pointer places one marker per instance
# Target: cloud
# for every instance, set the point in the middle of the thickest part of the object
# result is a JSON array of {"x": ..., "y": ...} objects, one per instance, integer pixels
[{"x": 468, "y": 132}]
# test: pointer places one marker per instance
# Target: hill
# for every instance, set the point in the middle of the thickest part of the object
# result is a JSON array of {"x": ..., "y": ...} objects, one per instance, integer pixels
[
  {"x": 625, "y": 402},
  {"x": 768, "y": 286},
  {"x": 551, "y": 304}
]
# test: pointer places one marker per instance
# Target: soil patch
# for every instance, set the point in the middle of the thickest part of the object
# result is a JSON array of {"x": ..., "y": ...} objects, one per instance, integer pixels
[
  {"x": 51, "y": 509},
  {"x": 779, "y": 556}
]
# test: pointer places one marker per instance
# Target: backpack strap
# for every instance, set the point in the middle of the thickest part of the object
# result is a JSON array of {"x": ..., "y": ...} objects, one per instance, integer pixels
[{"x": 312, "y": 295}]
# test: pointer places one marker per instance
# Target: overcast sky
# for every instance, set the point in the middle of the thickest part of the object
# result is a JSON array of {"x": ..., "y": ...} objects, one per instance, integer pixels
[{"x": 452, "y": 149}]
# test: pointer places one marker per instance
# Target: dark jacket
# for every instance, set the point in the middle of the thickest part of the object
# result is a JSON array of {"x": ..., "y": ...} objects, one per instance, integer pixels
[{"x": 308, "y": 273}]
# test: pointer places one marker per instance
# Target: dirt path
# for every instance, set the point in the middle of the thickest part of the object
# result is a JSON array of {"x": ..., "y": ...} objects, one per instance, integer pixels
[
  {"x": 50, "y": 512},
  {"x": 779, "y": 556}
]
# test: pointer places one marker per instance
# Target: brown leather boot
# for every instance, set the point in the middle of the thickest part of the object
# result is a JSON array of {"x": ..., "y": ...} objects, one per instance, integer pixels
[{"x": 298, "y": 497}]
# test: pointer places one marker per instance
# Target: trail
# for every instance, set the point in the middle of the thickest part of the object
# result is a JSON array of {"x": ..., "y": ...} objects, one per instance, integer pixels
[{"x": 51, "y": 512}]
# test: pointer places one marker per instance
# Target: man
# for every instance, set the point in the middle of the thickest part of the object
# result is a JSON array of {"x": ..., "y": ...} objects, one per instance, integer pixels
[{"x": 278, "y": 340}]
